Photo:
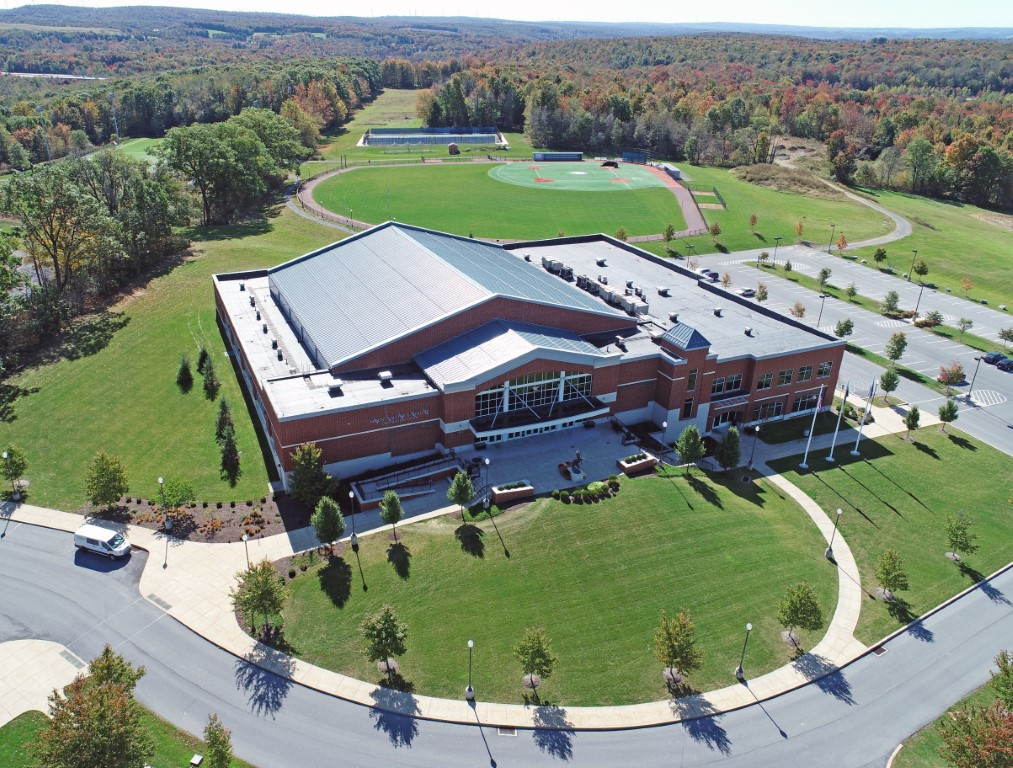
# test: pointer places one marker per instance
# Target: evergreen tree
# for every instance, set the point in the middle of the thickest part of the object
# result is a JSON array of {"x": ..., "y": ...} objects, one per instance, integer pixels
[
  {"x": 223, "y": 421},
  {"x": 202, "y": 360},
  {"x": 309, "y": 482},
  {"x": 184, "y": 376},
  {"x": 391, "y": 511},
  {"x": 230, "y": 467},
  {"x": 211, "y": 382}
]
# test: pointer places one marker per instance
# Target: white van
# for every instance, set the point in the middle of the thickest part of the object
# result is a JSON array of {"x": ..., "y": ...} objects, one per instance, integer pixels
[{"x": 102, "y": 541}]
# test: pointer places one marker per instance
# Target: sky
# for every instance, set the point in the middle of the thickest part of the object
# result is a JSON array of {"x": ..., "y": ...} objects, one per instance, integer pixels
[{"x": 820, "y": 13}]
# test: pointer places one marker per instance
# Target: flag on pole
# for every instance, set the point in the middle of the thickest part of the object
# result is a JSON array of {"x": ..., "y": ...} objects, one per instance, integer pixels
[{"x": 819, "y": 401}]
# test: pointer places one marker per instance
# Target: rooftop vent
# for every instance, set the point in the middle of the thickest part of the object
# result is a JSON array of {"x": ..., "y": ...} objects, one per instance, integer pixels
[
  {"x": 281, "y": 355},
  {"x": 673, "y": 317},
  {"x": 242, "y": 287},
  {"x": 663, "y": 291},
  {"x": 629, "y": 283},
  {"x": 527, "y": 257},
  {"x": 717, "y": 311},
  {"x": 264, "y": 327},
  {"x": 600, "y": 262},
  {"x": 253, "y": 301},
  {"x": 656, "y": 336},
  {"x": 335, "y": 387},
  {"x": 274, "y": 343},
  {"x": 258, "y": 314},
  {"x": 749, "y": 331},
  {"x": 621, "y": 343},
  {"x": 603, "y": 279},
  {"x": 385, "y": 376}
]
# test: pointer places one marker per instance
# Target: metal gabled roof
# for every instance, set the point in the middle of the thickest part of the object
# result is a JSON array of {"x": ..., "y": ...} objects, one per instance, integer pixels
[
  {"x": 497, "y": 345},
  {"x": 371, "y": 289},
  {"x": 686, "y": 337}
]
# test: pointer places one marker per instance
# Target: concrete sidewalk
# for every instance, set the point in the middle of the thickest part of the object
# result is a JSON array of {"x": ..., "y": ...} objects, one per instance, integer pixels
[{"x": 191, "y": 582}]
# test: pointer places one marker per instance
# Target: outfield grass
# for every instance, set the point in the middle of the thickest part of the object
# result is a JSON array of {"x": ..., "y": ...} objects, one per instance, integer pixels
[
  {"x": 898, "y": 496},
  {"x": 173, "y": 747},
  {"x": 956, "y": 240},
  {"x": 596, "y": 576},
  {"x": 114, "y": 388},
  {"x": 922, "y": 749},
  {"x": 465, "y": 200}
]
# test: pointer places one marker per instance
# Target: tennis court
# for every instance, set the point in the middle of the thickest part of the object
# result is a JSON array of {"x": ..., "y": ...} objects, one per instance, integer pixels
[{"x": 576, "y": 177}]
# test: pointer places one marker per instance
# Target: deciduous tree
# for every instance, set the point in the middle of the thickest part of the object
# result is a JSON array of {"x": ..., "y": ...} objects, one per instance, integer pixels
[
  {"x": 689, "y": 446},
  {"x": 844, "y": 328},
  {"x": 675, "y": 644},
  {"x": 823, "y": 278},
  {"x": 890, "y": 573},
  {"x": 851, "y": 291},
  {"x": 912, "y": 419},
  {"x": 978, "y": 737},
  {"x": 327, "y": 520},
  {"x": 534, "y": 653},
  {"x": 106, "y": 480},
  {"x": 800, "y": 608},
  {"x": 14, "y": 465},
  {"x": 1002, "y": 679},
  {"x": 959, "y": 537},
  {"x": 965, "y": 324},
  {"x": 217, "y": 744},
  {"x": 761, "y": 292},
  {"x": 461, "y": 490},
  {"x": 797, "y": 310},
  {"x": 947, "y": 413},
  {"x": 891, "y": 303},
  {"x": 258, "y": 593},
  {"x": 729, "y": 448},
  {"x": 888, "y": 382},
  {"x": 895, "y": 347},
  {"x": 391, "y": 511},
  {"x": 386, "y": 636}
]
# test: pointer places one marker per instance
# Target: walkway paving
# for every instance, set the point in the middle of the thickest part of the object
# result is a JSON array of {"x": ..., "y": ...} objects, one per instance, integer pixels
[
  {"x": 30, "y": 670},
  {"x": 191, "y": 582}
]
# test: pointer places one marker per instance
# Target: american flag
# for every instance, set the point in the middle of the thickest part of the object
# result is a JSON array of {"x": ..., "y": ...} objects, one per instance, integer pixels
[{"x": 819, "y": 402}]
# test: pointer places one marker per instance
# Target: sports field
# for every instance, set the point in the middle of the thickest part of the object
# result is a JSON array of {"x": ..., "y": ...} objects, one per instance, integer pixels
[
  {"x": 466, "y": 199},
  {"x": 583, "y": 177}
]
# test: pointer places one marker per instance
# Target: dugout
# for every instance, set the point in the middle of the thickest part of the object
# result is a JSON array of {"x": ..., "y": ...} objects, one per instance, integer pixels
[
  {"x": 638, "y": 156},
  {"x": 559, "y": 157}
]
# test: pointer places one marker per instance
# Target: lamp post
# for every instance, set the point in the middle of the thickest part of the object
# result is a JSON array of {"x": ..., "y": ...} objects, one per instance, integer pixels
[
  {"x": 823, "y": 300},
  {"x": 690, "y": 247},
  {"x": 246, "y": 539},
  {"x": 738, "y": 670},
  {"x": 911, "y": 271},
  {"x": 970, "y": 389},
  {"x": 487, "y": 473},
  {"x": 469, "y": 692},
  {"x": 918, "y": 303},
  {"x": 833, "y": 227},
  {"x": 756, "y": 439},
  {"x": 830, "y": 549},
  {"x": 777, "y": 242},
  {"x": 161, "y": 492}
]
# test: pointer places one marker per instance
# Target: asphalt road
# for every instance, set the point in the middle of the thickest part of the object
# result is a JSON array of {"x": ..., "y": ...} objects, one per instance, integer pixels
[{"x": 852, "y": 718}]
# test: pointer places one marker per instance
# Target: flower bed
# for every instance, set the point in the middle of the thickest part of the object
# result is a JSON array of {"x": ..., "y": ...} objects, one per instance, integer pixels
[{"x": 637, "y": 463}]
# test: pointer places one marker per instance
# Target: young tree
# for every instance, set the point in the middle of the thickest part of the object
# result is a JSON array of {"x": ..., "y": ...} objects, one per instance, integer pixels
[
  {"x": 202, "y": 360},
  {"x": 978, "y": 737},
  {"x": 726, "y": 280},
  {"x": 890, "y": 574},
  {"x": 912, "y": 418},
  {"x": 95, "y": 722},
  {"x": 184, "y": 376},
  {"x": 714, "y": 229},
  {"x": 391, "y": 511},
  {"x": 211, "y": 382},
  {"x": 797, "y": 310},
  {"x": 888, "y": 382},
  {"x": 327, "y": 520},
  {"x": 823, "y": 278},
  {"x": 106, "y": 480},
  {"x": 966, "y": 284},
  {"x": 230, "y": 464},
  {"x": 223, "y": 421},
  {"x": 959, "y": 537},
  {"x": 1006, "y": 336},
  {"x": 753, "y": 218},
  {"x": 895, "y": 347},
  {"x": 13, "y": 467},
  {"x": 762, "y": 259},
  {"x": 669, "y": 233},
  {"x": 675, "y": 645},
  {"x": 844, "y": 328},
  {"x": 879, "y": 255},
  {"x": 965, "y": 324},
  {"x": 386, "y": 636},
  {"x": 842, "y": 243},
  {"x": 218, "y": 744},
  {"x": 787, "y": 266},
  {"x": 947, "y": 413},
  {"x": 621, "y": 234},
  {"x": 177, "y": 493},
  {"x": 851, "y": 291},
  {"x": 921, "y": 268},
  {"x": 534, "y": 653},
  {"x": 461, "y": 490},
  {"x": 728, "y": 452},
  {"x": 309, "y": 481},
  {"x": 891, "y": 303},
  {"x": 800, "y": 608},
  {"x": 952, "y": 373},
  {"x": 761, "y": 292},
  {"x": 799, "y": 230},
  {"x": 259, "y": 593},
  {"x": 1002, "y": 679},
  {"x": 689, "y": 446}
]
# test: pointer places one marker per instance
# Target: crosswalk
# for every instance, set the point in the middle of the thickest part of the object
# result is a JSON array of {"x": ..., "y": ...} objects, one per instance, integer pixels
[
  {"x": 891, "y": 323},
  {"x": 986, "y": 397}
]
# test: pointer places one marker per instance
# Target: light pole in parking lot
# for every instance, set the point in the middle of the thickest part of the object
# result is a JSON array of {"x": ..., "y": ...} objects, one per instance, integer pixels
[
  {"x": 911, "y": 271},
  {"x": 777, "y": 240},
  {"x": 970, "y": 389},
  {"x": 823, "y": 300},
  {"x": 919, "y": 302},
  {"x": 833, "y": 228}
]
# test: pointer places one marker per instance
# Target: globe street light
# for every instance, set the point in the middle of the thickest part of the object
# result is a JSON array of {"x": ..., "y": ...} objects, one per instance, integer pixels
[
  {"x": 15, "y": 495},
  {"x": 487, "y": 472},
  {"x": 830, "y": 550},
  {"x": 161, "y": 492},
  {"x": 777, "y": 241},
  {"x": 351, "y": 510},
  {"x": 738, "y": 670},
  {"x": 469, "y": 692},
  {"x": 756, "y": 438},
  {"x": 246, "y": 539}
]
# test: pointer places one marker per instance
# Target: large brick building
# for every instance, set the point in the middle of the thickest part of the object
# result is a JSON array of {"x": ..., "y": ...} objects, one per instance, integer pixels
[{"x": 400, "y": 342}]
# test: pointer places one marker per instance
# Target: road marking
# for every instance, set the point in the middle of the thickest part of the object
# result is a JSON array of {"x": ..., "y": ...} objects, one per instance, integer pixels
[
  {"x": 891, "y": 323},
  {"x": 987, "y": 397}
]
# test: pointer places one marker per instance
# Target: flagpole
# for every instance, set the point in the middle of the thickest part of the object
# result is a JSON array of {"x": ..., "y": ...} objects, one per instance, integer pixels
[
  {"x": 812, "y": 428},
  {"x": 868, "y": 404},
  {"x": 840, "y": 413}
]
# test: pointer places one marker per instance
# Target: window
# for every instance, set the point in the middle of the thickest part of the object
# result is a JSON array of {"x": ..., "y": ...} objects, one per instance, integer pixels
[
  {"x": 718, "y": 386},
  {"x": 691, "y": 381},
  {"x": 687, "y": 408},
  {"x": 805, "y": 373},
  {"x": 824, "y": 370},
  {"x": 733, "y": 382},
  {"x": 784, "y": 377},
  {"x": 806, "y": 402},
  {"x": 723, "y": 418},
  {"x": 768, "y": 411},
  {"x": 765, "y": 381},
  {"x": 534, "y": 390}
]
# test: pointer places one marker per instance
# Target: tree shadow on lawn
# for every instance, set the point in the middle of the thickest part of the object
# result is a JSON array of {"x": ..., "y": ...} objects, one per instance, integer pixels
[
  {"x": 9, "y": 395},
  {"x": 85, "y": 337},
  {"x": 825, "y": 675},
  {"x": 471, "y": 539},
  {"x": 928, "y": 450},
  {"x": 400, "y": 557},
  {"x": 960, "y": 442},
  {"x": 394, "y": 713},
  {"x": 553, "y": 732},
  {"x": 253, "y": 226},
  {"x": 700, "y": 719},
  {"x": 705, "y": 490},
  {"x": 336, "y": 581}
]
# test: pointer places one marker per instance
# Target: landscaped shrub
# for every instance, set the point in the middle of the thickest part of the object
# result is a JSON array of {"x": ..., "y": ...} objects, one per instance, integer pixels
[
  {"x": 555, "y": 494},
  {"x": 597, "y": 488},
  {"x": 511, "y": 486},
  {"x": 291, "y": 573},
  {"x": 634, "y": 458}
]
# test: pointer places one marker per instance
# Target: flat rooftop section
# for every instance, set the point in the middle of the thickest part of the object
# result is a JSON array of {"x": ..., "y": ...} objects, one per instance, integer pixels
[{"x": 694, "y": 304}]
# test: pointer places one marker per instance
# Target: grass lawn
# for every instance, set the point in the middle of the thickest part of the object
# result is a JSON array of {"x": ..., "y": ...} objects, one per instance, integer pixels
[
  {"x": 922, "y": 749},
  {"x": 596, "y": 576},
  {"x": 465, "y": 200},
  {"x": 173, "y": 747},
  {"x": 139, "y": 149},
  {"x": 956, "y": 240},
  {"x": 113, "y": 386},
  {"x": 897, "y": 495}
]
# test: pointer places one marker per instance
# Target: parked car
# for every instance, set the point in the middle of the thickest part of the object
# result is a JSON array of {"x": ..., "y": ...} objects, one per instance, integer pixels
[
  {"x": 101, "y": 541},
  {"x": 746, "y": 293},
  {"x": 1006, "y": 364},
  {"x": 993, "y": 357}
]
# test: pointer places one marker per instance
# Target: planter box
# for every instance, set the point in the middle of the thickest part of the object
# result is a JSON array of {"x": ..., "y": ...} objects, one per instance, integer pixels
[
  {"x": 510, "y": 495},
  {"x": 638, "y": 467}
]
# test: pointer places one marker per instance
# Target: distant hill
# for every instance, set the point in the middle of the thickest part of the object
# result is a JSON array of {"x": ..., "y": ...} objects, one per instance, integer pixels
[{"x": 480, "y": 33}]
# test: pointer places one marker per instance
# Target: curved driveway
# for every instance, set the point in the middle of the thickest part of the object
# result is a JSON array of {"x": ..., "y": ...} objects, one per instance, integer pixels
[{"x": 857, "y": 715}]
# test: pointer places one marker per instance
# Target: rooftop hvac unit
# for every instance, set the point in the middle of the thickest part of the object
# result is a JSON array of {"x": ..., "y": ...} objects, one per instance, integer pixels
[
  {"x": 603, "y": 279},
  {"x": 621, "y": 343},
  {"x": 638, "y": 291},
  {"x": 600, "y": 262},
  {"x": 628, "y": 291},
  {"x": 640, "y": 307},
  {"x": 565, "y": 271},
  {"x": 628, "y": 303},
  {"x": 335, "y": 387},
  {"x": 673, "y": 317},
  {"x": 592, "y": 287},
  {"x": 281, "y": 355},
  {"x": 274, "y": 343},
  {"x": 264, "y": 327},
  {"x": 656, "y": 336},
  {"x": 385, "y": 376},
  {"x": 242, "y": 287},
  {"x": 582, "y": 281},
  {"x": 717, "y": 311},
  {"x": 545, "y": 261},
  {"x": 749, "y": 331},
  {"x": 253, "y": 301},
  {"x": 662, "y": 290}
]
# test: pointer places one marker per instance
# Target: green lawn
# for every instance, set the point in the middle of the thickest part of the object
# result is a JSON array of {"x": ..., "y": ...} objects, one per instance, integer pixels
[
  {"x": 114, "y": 386},
  {"x": 777, "y": 213},
  {"x": 897, "y": 495},
  {"x": 465, "y": 200},
  {"x": 956, "y": 240},
  {"x": 596, "y": 576},
  {"x": 922, "y": 749},
  {"x": 173, "y": 747},
  {"x": 139, "y": 149}
]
